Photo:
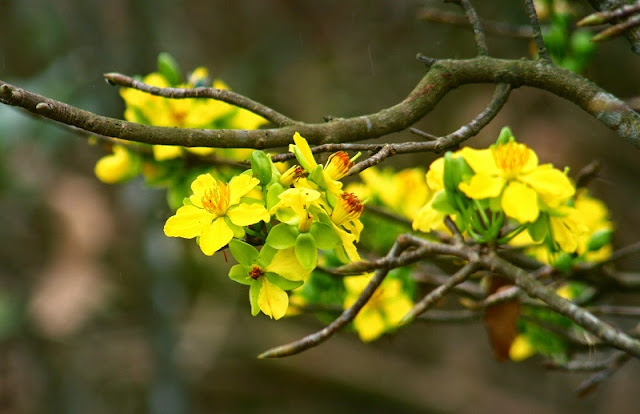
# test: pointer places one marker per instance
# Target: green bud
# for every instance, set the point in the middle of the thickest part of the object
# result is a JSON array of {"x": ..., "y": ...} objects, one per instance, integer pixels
[
  {"x": 599, "y": 239},
  {"x": 169, "y": 68},
  {"x": 564, "y": 262},
  {"x": 505, "y": 136},
  {"x": 261, "y": 166}
]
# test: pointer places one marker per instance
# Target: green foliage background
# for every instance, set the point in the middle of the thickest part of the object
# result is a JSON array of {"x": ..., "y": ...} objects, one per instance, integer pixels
[{"x": 100, "y": 313}]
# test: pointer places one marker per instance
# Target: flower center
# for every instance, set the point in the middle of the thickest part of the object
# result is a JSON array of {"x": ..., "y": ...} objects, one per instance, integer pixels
[
  {"x": 216, "y": 199},
  {"x": 510, "y": 157},
  {"x": 338, "y": 165},
  {"x": 348, "y": 208},
  {"x": 256, "y": 272}
]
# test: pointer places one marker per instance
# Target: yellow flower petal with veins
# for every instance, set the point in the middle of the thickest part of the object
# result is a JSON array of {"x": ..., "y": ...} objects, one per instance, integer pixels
[
  {"x": 187, "y": 222},
  {"x": 246, "y": 214},
  {"x": 520, "y": 202},
  {"x": 272, "y": 300},
  {"x": 483, "y": 186},
  {"x": 215, "y": 236},
  {"x": 286, "y": 264}
]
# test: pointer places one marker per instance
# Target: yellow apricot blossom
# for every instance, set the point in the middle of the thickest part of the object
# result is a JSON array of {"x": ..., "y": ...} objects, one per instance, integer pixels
[
  {"x": 117, "y": 167},
  {"x": 382, "y": 312},
  {"x": 216, "y": 212},
  {"x": 511, "y": 171}
]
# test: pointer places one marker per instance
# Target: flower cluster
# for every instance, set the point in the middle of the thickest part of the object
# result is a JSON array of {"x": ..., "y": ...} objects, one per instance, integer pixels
[
  {"x": 164, "y": 165},
  {"x": 495, "y": 194},
  {"x": 292, "y": 215}
]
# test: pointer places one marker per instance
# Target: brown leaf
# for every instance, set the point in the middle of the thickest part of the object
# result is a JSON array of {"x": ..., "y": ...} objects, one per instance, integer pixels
[{"x": 500, "y": 320}]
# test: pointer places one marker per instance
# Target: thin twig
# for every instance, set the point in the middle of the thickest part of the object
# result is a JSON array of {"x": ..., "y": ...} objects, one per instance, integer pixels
[
  {"x": 450, "y": 316},
  {"x": 438, "y": 293},
  {"x": 223, "y": 95},
  {"x": 587, "y": 174},
  {"x": 580, "y": 316},
  {"x": 611, "y": 310},
  {"x": 347, "y": 316},
  {"x": 537, "y": 33},
  {"x": 385, "y": 152},
  {"x": 476, "y": 24},
  {"x": 617, "y": 361},
  {"x": 499, "y": 29}
]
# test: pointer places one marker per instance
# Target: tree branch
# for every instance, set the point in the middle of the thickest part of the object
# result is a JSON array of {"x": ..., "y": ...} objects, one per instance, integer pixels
[
  {"x": 443, "y": 76},
  {"x": 632, "y": 34},
  {"x": 537, "y": 33},
  {"x": 347, "y": 316},
  {"x": 223, "y": 95}
]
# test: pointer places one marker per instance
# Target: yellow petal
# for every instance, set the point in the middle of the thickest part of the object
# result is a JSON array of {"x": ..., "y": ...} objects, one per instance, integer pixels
[
  {"x": 553, "y": 186},
  {"x": 565, "y": 232},
  {"x": 369, "y": 324},
  {"x": 286, "y": 265},
  {"x": 199, "y": 186},
  {"x": 115, "y": 167},
  {"x": 521, "y": 348},
  {"x": 245, "y": 214},
  {"x": 304, "y": 148},
  {"x": 480, "y": 161},
  {"x": 188, "y": 222},
  {"x": 272, "y": 300},
  {"x": 482, "y": 186},
  {"x": 520, "y": 202},
  {"x": 239, "y": 186},
  {"x": 428, "y": 219},
  {"x": 166, "y": 152},
  {"x": 434, "y": 175},
  {"x": 215, "y": 236}
]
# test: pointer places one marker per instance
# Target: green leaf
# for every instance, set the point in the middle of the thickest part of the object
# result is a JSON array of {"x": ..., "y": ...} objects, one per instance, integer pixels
[
  {"x": 282, "y": 283},
  {"x": 261, "y": 166},
  {"x": 539, "y": 228},
  {"x": 272, "y": 195},
  {"x": 324, "y": 235},
  {"x": 441, "y": 203},
  {"x": 169, "y": 68},
  {"x": 266, "y": 255},
  {"x": 564, "y": 262},
  {"x": 599, "y": 239},
  {"x": 282, "y": 236},
  {"x": 254, "y": 293},
  {"x": 243, "y": 252},
  {"x": 306, "y": 251},
  {"x": 240, "y": 274},
  {"x": 238, "y": 232},
  {"x": 317, "y": 176}
]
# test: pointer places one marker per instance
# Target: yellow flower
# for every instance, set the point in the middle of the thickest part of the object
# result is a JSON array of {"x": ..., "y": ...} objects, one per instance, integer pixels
[
  {"x": 296, "y": 201},
  {"x": 405, "y": 191},
  {"x": 216, "y": 212},
  {"x": 345, "y": 219},
  {"x": 521, "y": 348},
  {"x": 185, "y": 113},
  {"x": 595, "y": 216},
  {"x": 338, "y": 164},
  {"x": 117, "y": 167},
  {"x": 567, "y": 227},
  {"x": 511, "y": 171},
  {"x": 382, "y": 312}
]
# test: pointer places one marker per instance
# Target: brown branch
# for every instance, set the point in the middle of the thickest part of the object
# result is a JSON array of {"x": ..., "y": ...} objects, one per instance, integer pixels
[
  {"x": 633, "y": 33},
  {"x": 438, "y": 293},
  {"x": 476, "y": 25},
  {"x": 450, "y": 316},
  {"x": 617, "y": 361},
  {"x": 580, "y": 316},
  {"x": 347, "y": 316},
  {"x": 537, "y": 33},
  {"x": 443, "y": 76},
  {"x": 223, "y": 95}
]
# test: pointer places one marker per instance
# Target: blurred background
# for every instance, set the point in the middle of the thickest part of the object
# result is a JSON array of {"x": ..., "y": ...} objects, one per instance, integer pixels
[{"x": 101, "y": 313}]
